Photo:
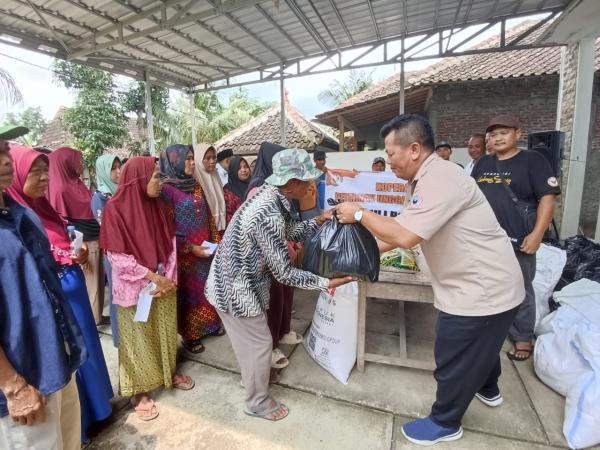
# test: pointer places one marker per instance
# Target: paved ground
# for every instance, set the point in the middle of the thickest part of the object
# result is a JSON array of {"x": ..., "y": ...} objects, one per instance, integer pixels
[{"x": 324, "y": 414}]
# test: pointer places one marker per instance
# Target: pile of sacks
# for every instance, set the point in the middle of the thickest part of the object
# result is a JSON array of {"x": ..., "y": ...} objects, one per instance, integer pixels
[{"x": 567, "y": 358}]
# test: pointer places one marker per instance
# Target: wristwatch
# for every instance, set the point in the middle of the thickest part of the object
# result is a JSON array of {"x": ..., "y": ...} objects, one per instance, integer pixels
[{"x": 358, "y": 214}]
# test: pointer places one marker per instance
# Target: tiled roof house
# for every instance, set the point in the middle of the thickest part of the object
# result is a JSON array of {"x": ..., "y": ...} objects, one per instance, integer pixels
[{"x": 300, "y": 133}]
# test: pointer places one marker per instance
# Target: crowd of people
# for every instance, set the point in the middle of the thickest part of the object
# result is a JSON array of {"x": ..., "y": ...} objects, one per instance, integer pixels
[{"x": 213, "y": 239}]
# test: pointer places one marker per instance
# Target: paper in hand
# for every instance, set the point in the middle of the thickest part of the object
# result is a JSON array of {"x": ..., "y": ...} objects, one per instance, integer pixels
[
  {"x": 210, "y": 247},
  {"x": 144, "y": 303},
  {"x": 77, "y": 244}
]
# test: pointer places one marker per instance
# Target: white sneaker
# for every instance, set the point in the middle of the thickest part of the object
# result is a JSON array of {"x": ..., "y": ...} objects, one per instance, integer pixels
[
  {"x": 291, "y": 338},
  {"x": 278, "y": 359},
  {"x": 490, "y": 401}
]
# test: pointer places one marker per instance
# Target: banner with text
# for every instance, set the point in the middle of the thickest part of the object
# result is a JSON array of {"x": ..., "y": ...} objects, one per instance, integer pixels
[{"x": 380, "y": 192}]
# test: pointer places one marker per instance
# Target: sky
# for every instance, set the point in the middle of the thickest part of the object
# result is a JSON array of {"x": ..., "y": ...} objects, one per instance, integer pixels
[{"x": 34, "y": 78}]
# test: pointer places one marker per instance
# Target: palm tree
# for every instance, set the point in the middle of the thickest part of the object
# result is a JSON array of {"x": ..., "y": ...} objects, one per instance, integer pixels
[
  {"x": 339, "y": 91},
  {"x": 9, "y": 92}
]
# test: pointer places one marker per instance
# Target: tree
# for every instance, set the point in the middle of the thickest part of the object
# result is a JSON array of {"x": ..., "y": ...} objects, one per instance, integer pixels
[
  {"x": 96, "y": 121},
  {"x": 9, "y": 92},
  {"x": 214, "y": 119},
  {"x": 134, "y": 100},
  {"x": 31, "y": 118},
  {"x": 339, "y": 91}
]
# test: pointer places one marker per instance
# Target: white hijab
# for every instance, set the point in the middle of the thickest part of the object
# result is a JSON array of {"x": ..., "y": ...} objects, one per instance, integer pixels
[{"x": 211, "y": 186}]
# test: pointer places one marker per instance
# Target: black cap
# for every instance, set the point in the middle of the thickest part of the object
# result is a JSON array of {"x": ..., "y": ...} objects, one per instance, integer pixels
[
  {"x": 443, "y": 144},
  {"x": 379, "y": 160},
  {"x": 319, "y": 154},
  {"x": 224, "y": 154}
]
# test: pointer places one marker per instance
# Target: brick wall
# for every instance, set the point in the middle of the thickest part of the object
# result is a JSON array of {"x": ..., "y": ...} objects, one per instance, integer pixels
[{"x": 459, "y": 109}]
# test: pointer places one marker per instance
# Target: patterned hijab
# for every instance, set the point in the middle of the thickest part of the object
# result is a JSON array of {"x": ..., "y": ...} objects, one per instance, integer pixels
[
  {"x": 264, "y": 164},
  {"x": 135, "y": 224},
  {"x": 172, "y": 165},
  {"x": 104, "y": 182},
  {"x": 66, "y": 192},
  {"x": 235, "y": 185},
  {"x": 55, "y": 226},
  {"x": 211, "y": 186}
]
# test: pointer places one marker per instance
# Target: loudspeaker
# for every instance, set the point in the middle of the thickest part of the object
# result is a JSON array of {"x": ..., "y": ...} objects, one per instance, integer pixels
[{"x": 551, "y": 144}]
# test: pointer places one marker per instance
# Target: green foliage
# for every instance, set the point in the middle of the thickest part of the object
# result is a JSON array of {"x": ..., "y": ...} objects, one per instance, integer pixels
[
  {"x": 134, "y": 100},
  {"x": 214, "y": 118},
  {"x": 31, "y": 118},
  {"x": 339, "y": 91},
  {"x": 75, "y": 76},
  {"x": 97, "y": 120}
]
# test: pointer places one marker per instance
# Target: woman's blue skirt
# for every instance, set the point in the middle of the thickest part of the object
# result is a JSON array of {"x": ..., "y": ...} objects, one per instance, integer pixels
[{"x": 93, "y": 381}]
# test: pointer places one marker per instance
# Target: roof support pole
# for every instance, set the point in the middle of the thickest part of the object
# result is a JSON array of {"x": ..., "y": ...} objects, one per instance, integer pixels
[
  {"x": 342, "y": 129},
  {"x": 401, "y": 106},
  {"x": 578, "y": 86},
  {"x": 149, "y": 117},
  {"x": 193, "y": 117},
  {"x": 282, "y": 109}
]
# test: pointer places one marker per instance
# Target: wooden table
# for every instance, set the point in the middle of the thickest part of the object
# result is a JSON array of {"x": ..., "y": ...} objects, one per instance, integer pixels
[{"x": 401, "y": 287}]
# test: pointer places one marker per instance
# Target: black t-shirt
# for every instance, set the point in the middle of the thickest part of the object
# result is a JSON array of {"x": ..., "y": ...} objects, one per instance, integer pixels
[{"x": 529, "y": 176}]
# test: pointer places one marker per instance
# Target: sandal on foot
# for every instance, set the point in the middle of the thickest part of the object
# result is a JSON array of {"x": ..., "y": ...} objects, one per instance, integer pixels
[
  {"x": 291, "y": 338},
  {"x": 513, "y": 356},
  {"x": 278, "y": 359},
  {"x": 194, "y": 346},
  {"x": 146, "y": 412},
  {"x": 267, "y": 414},
  {"x": 185, "y": 382}
]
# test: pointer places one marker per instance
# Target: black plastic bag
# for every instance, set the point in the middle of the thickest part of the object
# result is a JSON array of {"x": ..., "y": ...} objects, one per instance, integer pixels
[
  {"x": 338, "y": 250},
  {"x": 583, "y": 261}
]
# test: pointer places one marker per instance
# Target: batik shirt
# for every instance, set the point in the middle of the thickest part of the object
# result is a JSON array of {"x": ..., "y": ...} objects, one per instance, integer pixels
[{"x": 253, "y": 251}]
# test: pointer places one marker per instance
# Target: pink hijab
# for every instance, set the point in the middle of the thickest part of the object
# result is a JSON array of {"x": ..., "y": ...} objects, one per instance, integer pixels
[
  {"x": 23, "y": 159},
  {"x": 66, "y": 192}
]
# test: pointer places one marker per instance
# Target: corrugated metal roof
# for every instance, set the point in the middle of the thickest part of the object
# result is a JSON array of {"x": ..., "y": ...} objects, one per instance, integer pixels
[{"x": 190, "y": 43}]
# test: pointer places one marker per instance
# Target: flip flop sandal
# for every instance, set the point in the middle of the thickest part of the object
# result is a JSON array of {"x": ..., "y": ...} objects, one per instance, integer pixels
[
  {"x": 151, "y": 412},
  {"x": 194, "y": 346},
  {"x": 291, "y": 338},
  {"x": 266, "y": 412},
  {"x": 186, "y": 385},
  {"x": 219, "y": 332},
  {"x": 279, "y": 360},
  {"x": 514, "y": 357}
]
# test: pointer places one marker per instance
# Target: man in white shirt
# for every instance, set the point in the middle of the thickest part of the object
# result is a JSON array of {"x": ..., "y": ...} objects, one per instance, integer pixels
[
  {"x": 223, "y": 159},
  {"x": 476, "y": 149}
]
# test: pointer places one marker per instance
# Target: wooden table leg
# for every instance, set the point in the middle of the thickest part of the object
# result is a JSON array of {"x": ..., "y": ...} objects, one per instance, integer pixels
[
  {"x": 402, "y": 330},
  {"x": 362, "y": 318}
]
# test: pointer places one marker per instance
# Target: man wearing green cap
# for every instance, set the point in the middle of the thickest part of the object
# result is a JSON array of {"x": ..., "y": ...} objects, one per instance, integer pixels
[
  {"x": 251, "y": 253},
  {"x": 9, "y": 133}
]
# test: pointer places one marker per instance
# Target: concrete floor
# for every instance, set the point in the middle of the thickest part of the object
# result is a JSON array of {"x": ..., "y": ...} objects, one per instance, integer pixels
[{"x": 367, "y": 413}]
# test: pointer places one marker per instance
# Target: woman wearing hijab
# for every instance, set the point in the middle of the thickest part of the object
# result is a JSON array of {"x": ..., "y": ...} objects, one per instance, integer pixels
[
  {"x": 29, "y": 189},
  {"x": 71, "y": 199},
  {"x": 279, "y": 314},
  {"x": 108, "y": 170},
  {"x": 139, "y": 240},
  {"x": 194, "y": 225},
  {"x": 235, "y": 190}
]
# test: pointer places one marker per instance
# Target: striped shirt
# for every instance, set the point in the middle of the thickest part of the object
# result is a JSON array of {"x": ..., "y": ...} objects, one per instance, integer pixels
[{"x": 253, "y": 251}]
